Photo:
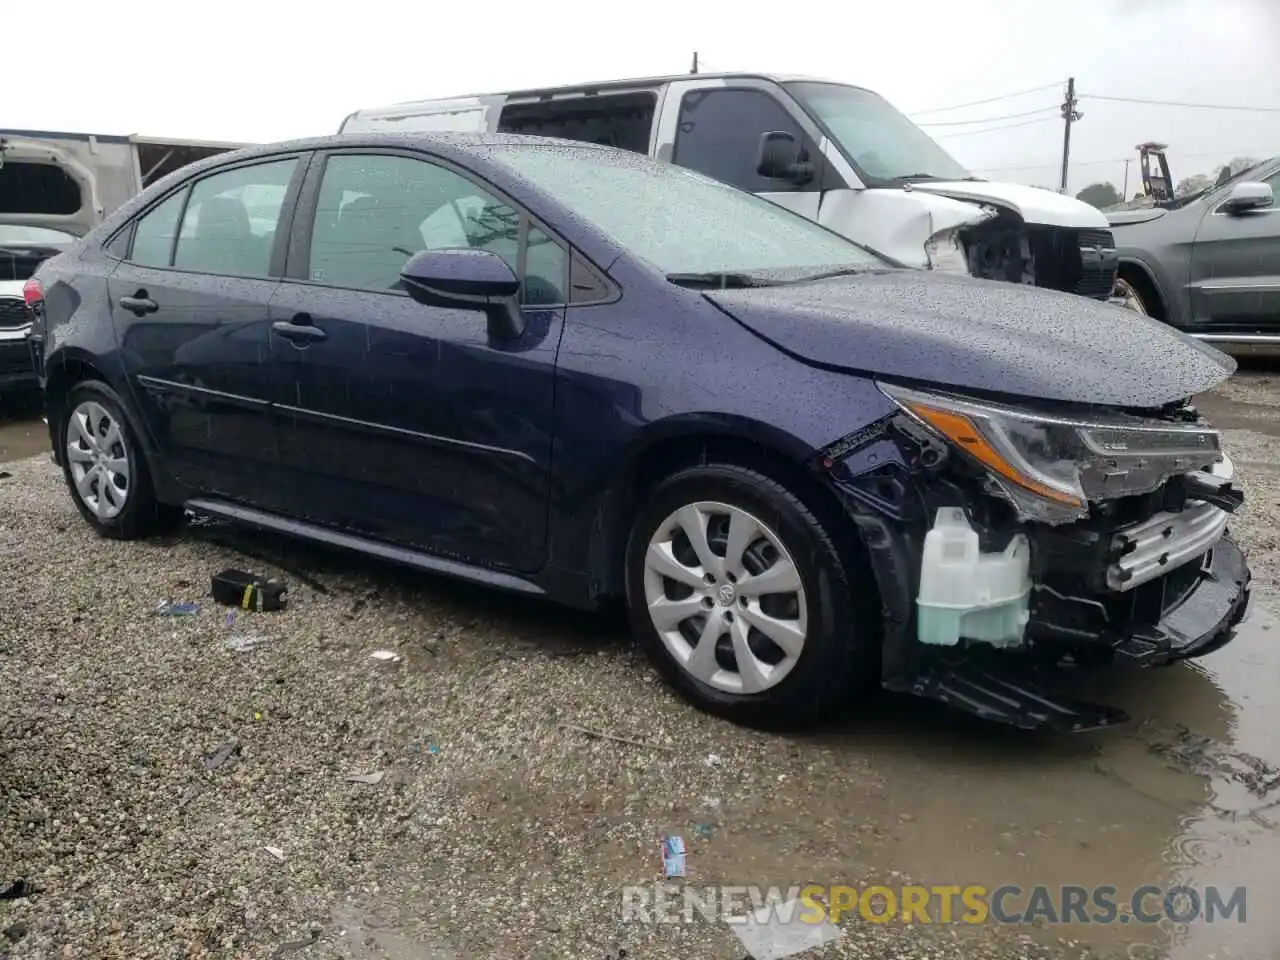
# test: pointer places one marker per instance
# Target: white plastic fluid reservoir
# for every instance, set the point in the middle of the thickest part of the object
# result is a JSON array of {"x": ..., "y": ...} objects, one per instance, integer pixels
[{"x": 970, "y": 594}]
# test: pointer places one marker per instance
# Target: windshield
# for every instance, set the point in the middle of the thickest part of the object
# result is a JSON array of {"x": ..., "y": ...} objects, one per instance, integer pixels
[
  {"x": 882, "y": 144},
  {"x": 680, "y": 221},
  {"x": 15, "y": 235}
]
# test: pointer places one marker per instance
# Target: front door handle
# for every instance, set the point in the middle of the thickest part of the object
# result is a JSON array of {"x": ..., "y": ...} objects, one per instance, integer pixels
[
  {"x": 139, "y": 303},
  {"x": 299, "y": 331}
]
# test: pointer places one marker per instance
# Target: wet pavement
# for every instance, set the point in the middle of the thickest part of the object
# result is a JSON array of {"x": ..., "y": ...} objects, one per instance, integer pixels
[{"x": 1187, "y": 794}]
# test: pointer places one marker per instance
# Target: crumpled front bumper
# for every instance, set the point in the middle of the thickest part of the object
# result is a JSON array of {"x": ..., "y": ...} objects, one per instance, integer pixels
[
  {"x": 1204, "y": 621},
  {"x": 1015, "y": 689}
]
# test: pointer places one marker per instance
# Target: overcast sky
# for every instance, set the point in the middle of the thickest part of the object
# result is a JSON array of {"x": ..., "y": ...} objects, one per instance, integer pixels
[{"x": 259, "y": 70}]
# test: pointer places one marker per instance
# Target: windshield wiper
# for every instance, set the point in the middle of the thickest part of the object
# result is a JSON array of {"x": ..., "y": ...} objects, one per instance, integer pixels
[
  {"x": 718, "y": 281},
  {"x": 839, "y": 272}
]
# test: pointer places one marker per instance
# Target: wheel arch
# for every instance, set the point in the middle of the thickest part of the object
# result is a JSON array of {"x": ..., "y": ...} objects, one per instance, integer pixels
[
  {"x": 67, "y": 368},
  {"x": 665, "y": 447},
  {"x": 1139, "y": 273}
]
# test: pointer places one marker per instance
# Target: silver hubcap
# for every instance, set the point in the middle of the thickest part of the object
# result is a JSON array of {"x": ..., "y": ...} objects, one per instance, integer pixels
[
  {"x": 1123, "y": 295},
  {"x": 726, "y": 598},
  {"x": 99, "y": 460}
]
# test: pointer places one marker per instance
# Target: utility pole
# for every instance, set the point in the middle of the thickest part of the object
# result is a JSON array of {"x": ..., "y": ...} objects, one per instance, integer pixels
[
  {"x": 1124, "y": 194},
  {"x": 695, "y": 62},
  {"x": 1069, "y": 115}
]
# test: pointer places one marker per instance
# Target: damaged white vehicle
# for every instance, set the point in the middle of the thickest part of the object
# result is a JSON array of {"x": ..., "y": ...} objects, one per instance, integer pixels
[{"x": 837, "y": 154}]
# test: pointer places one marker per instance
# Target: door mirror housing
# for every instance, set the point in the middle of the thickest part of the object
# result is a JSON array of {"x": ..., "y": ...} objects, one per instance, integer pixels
[
  {"x": 1249, "y": 196},
  {"x": 470, "y": 280},
  {"x": 781, "y": 158}
]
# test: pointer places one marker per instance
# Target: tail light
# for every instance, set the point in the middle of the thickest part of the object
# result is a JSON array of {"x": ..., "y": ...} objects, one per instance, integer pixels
[{"x": 33, "y": 292}]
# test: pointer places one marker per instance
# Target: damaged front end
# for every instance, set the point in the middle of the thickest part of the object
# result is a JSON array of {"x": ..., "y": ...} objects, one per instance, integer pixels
[
  {"x": 997, "y": 245},
  {"x": 1010, "y": 542}
]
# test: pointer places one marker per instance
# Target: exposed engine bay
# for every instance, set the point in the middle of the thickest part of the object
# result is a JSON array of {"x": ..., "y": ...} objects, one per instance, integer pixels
[
  {"x": 1002, "y": 247},
  {"x": 1040, "y": 543}
]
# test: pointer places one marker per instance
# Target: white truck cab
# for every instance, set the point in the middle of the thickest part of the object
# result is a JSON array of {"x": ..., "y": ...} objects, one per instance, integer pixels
[{"x": 837, "y": 154}]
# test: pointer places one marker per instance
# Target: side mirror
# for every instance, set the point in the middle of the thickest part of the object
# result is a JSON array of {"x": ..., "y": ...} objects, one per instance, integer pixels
[
  {"x": 470, "y": 280},
  {"x": 1249, "y": 196},
  {"x": 781, "y": 158}
]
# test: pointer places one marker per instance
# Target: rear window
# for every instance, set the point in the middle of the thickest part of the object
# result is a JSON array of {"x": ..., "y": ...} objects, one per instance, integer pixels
[{"x": 43, "y": 188}]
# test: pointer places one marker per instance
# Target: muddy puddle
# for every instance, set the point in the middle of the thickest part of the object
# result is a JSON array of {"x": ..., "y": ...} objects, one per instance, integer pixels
[
  {"x": 1187, "y": 794},
  {"x": 22, "y": 433}
]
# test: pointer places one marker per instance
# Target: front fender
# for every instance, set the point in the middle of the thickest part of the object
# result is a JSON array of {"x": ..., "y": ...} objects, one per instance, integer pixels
[{"x": 897, "y": 223}]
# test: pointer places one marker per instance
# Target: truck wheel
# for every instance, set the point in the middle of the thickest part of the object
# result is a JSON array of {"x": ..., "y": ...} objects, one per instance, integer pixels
[
  {"x": 740, "y": 599},
  {"x": 105, "y": 467},
  {"x": 1124, "y": 294}
]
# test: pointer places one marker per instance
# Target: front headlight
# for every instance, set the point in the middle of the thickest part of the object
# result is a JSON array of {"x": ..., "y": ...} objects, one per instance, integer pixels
[
  {"x": 945, "y": 253},
  {"x": 1051, "y": 467}
]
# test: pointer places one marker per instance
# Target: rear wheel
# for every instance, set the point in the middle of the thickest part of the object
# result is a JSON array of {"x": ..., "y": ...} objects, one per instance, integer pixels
[
  {"x": 740, "y": 598},
  {"x": 105, "y": 467}
]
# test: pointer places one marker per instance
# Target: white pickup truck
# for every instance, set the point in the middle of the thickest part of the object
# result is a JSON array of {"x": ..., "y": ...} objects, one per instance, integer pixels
[{"x": 837, "y": 154}]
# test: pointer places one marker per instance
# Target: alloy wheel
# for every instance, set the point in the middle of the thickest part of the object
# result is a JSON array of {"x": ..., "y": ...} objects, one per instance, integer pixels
[
  {"x": 726, "y": 597},
  {"x": 99, "y": 460}
]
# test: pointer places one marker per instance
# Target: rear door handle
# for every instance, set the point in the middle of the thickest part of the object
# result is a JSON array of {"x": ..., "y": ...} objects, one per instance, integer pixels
[
  {"x": 299, "y": 330},
  {"x": 139, "y": 303}
]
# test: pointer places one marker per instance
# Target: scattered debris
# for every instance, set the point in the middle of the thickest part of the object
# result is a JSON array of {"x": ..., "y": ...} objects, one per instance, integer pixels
[
  {"x": 222, "y": 755},
  {"x": 712, "y": 802},
  {"x": 5, "y": 474},
  {"x": 600, "y": 735},
  {"x": 370, "y": 778},
  {"x": 275, "y": 852},
  {"x": 390, "y": 656},
  {"x": 673, "y": 856},
  {"x": 167, "y": 608},
  {"x": 432, "y": 748},
  {"x": 236, "y": 588},
  {"x": 18, "y": 889},
  {"x": 244, "y": 642},
  {"x": 711, "y": 760},
  {"x": 704, "y": 831},
  {"x": 231, "y": 617},
  {"x": 767, "y": 936}
]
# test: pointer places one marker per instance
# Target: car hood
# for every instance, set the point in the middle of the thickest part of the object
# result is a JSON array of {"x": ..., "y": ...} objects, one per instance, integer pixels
[
  {"x": 1033, "y": 204},
  {"x": 1121, "y": 218},
  {"x": 980, "y": 336}
]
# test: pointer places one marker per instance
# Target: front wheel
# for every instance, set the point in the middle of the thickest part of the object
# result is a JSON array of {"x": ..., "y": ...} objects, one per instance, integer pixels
[
  {"x": 740, "y": 598},
  {"x": 1126, "y": 295}
]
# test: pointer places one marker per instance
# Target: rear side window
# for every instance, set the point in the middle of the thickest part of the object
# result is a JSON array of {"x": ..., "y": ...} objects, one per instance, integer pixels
[
  {"x": 154, "y": 233},
  {"x": 719, "y": 135},
  {"x": 230, "y": 223},
  {"x": 228, "y": 227},
  {"x": 375, "y": 212}
]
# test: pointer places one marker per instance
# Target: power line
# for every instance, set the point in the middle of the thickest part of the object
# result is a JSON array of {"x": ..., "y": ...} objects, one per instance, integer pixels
[
  {"x": 978, "y": 103},
  {"x": 1007, "y": 116},
  {"x": 1177, "y": 103},
  {"x": 1007, "y": 126}
]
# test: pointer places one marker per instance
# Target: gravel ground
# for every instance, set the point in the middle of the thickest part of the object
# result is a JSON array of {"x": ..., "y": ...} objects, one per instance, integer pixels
[{"x": 499, "y": 829}]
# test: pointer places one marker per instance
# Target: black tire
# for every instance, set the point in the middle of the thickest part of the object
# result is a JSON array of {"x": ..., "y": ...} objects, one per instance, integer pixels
[
  {"x": 1131, "y": 296},
  {"x": 838, "y": 658},
  {"x": 142, "y": 514}
]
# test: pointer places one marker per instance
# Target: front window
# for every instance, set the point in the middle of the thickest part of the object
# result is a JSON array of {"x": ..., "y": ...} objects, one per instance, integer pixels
[
  {"x": 680, "y": 221},
  {"x": 882, "y": 144}
]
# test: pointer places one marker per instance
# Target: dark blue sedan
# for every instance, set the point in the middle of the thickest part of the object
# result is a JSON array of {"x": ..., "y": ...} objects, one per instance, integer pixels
[{"x": 570, "y": 371}]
